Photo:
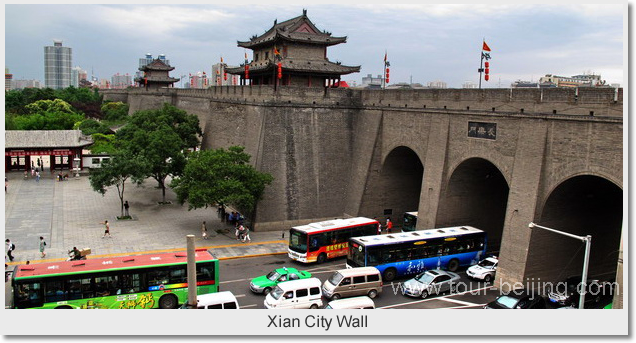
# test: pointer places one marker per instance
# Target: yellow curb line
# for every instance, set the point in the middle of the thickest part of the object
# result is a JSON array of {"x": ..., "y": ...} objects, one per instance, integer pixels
[{"x": 166, "y": 250}]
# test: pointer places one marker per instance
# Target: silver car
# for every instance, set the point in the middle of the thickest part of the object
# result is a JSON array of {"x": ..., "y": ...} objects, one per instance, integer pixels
[{"x": 431, "y": 282}]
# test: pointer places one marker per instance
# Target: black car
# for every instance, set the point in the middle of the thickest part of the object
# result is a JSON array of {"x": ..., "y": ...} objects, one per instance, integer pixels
[
  {"x": 517, "y": 299},
  {"x": 566, "y": 293}
]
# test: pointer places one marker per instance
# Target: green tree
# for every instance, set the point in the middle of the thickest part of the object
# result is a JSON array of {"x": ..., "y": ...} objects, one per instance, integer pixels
[
  {"x": 221, "y": 177},
  {"x": 115, "y": 111},
  {"x": 103, "y": 144},
  {"x": 159, "y": 138},
  {"x": 115, "y": 172},
  {"x": 91, "y": 126}
]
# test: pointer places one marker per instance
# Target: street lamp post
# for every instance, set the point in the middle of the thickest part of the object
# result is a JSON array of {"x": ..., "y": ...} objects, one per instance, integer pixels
[
  {"x": 76, "y": 162},
  {"x": 588, "y": 242}
]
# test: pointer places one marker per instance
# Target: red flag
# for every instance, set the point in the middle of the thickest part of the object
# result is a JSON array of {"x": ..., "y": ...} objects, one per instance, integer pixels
[
  {"x": 221, "y": 59},
  {"x": 385, "y": 57},
  {"x": 485, "y": 47}
]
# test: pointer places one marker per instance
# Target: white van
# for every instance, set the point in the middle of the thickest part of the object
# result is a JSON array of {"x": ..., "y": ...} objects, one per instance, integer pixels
[
  {"x": 352, "y": 282},
  {"x": 303, "y": 293},
  {"x": 351, "y": 303},
  {"x": 221, "y": 300}
]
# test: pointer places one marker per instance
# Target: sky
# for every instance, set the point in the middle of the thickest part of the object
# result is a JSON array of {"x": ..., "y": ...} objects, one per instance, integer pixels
[{"x": 423, "y": 42}]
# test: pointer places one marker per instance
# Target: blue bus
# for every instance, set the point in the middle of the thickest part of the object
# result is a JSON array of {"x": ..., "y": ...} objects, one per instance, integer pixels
[{"x": 408, "y": 253}]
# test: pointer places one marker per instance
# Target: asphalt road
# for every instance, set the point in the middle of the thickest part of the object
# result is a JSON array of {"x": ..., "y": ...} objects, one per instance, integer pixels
[{"x": 236, "y": 274}]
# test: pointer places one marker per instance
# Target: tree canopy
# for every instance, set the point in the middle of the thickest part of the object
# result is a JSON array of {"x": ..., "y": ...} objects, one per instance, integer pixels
[
  {"x": 115, "y": 172},
  {"x": 221, "y": 177},
  {"x": 45, "y": 115},
  {"x": 160, "y": 138}
]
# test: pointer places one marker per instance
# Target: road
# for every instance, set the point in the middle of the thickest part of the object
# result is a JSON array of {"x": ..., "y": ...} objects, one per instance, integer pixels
[{"x": 235, "y": 276}]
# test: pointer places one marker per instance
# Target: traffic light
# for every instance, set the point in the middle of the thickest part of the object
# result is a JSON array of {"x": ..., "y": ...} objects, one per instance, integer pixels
[{"x": 487, "y": 70}]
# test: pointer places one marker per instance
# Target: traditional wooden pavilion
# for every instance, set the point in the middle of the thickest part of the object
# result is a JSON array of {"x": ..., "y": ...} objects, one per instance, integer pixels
[
  {"x": 293, "y": 52},
  {"x": 50, "y": 149},
  {"x": 156, "y": 75}
]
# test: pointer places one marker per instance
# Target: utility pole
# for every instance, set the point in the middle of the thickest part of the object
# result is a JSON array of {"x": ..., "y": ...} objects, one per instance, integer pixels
[
  {"x": 192, "y": 273},
  {"x": 588, "y": 244}
]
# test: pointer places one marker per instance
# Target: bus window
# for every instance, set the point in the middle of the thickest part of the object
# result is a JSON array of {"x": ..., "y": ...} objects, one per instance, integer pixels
[
  {"x": 158, "y": 277},
  {"x": 178, "y": 275},
  {"x": 130, "y": 283},
  {"x": 54, "y": 291},
  {"x": 29, "y": 295},
  {"x": 106, "y": 285},
  {"x": 205, "y": 272}
]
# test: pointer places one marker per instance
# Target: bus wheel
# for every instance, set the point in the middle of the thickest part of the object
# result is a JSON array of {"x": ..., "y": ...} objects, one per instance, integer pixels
[
  {"x": 168, "y": 301},
  {"x": 336, "y": 296},
  {"x": 267, "y": 290},
  {"x": 322, "y": 258},
  {"x": 453, "y": 265},
  {"x": 63, "y": 308},
  {"x": 313, "y": 306},
  {"x": 389, "y": 274},
  {"x": 373, "y": 293}
]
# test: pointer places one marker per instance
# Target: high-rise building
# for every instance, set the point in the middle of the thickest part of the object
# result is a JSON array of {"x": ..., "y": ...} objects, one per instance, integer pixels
[
  {"x": 120, "y": 81},
  {"x": 57, "y": 65},
  {"x": 220, "y": 77},
  {"x": 144, "y": 61},
  {"x": 22, "y": 84},
  {"x": 8, "y": 77},
  {"x": 78, "y": 74}
]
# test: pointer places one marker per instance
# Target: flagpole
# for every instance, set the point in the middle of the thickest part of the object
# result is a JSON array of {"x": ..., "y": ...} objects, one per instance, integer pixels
[{"x": 481, "y": 68}]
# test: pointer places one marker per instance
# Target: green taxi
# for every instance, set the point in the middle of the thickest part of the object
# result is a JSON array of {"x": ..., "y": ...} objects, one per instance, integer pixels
[{"x": 265, "y": 283}]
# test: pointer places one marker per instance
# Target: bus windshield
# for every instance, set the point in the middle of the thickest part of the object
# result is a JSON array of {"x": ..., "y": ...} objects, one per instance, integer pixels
[
  {"x": 298, "y": 241},
  {"x": 356, "y": 255},
  {"x": 410, "y": 221}
]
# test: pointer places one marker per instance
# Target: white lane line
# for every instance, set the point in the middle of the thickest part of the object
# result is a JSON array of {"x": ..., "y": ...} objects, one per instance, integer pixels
[
  {"x": 239, "y": 295},
  {"x": 251, "y": 305},
  {"x": 438, "y": 298},
  {"x": 465, "y": 303},
  {"x": 239, "y": 280}
]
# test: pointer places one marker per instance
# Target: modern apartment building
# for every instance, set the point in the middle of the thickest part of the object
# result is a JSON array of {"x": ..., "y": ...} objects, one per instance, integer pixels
[
  {"x": 77, "y": 75},
  {"x": 57, "y": 65},
  {"x": 120, "y": 81},
  {"x": 8, "y": 77}
]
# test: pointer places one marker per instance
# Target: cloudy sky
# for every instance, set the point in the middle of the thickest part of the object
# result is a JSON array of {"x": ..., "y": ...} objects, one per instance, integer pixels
[{"x": 424, "y": 42}]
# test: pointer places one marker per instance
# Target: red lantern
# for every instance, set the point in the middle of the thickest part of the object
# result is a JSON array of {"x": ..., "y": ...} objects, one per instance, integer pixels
[
  {"x": 224, "y": 76},
  {"x": 247, "y": 71},
  {"x": 387, "y": 75},
  {"x": 280, "y": 70},
  {"x": 487, "y": 64},
  {"x": 486, "y": 77}
]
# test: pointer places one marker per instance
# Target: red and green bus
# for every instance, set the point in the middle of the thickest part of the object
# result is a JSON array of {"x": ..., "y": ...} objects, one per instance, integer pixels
[
  {"x": 125, "y": 282},
  {"x": 317, "y": 242}
]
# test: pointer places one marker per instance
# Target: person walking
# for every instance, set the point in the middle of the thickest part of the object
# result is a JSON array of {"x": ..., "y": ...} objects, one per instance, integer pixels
[
  {"x": 10, "y": 248},
  {"x": 204, "y": 231},
  {"x": 126, "y": 207},
  {"x": 106, "y": 229},
  {"x": 37, "y": 176},
  {"x": 246, "y": 234},
  {"x": 389, "y": 225},
  {"x": 42, "y": 247}
]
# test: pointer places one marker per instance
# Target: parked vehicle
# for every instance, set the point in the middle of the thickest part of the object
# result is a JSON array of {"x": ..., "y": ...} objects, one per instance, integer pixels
[
  {"x": 517, "y": 299},
  {"x": 265, "y": 283},
  {"x": 295, "y": 294},
  {"x": 430, "y": 282},
  {"x": 567, "y": 293},
  {"x": 484, "y": 270},
  {"x": 221, "y": 300},
  {"x": 353, "y": 281},
  {"x": 363, "y": 302}
]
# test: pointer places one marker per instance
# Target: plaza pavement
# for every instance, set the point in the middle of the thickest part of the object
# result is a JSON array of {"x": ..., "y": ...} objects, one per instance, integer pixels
[{"x": 69, "y": 214}]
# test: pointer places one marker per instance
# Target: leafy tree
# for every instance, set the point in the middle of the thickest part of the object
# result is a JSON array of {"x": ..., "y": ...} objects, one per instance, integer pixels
[
  {"x": 103, "y": 144},
  {"x": 57, "y": 105},
  {"x": 115, "y": 111},
  {"x": 115, "y": 172},
  {"x": 221, "y": 177},
  {"x": 159, "y": 138},
  {"x": 91, "y": 126}
]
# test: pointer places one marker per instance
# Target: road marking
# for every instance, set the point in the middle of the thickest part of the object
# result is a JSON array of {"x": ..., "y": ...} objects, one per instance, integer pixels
[
  {"x": 456, "y": 307},
  {"x": 239, "y": 295},
  {"x": 437, "y": 298},
  {"x": 465, "y": 303},
  {"x": 239, "y": 280},
  {"x": 250, "y": 305}
]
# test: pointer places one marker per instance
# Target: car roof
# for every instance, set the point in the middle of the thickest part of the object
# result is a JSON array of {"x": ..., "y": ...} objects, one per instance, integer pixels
[
  {"x": 344, "y": 303},
  {"x": 358, "y": 271},
  {"x": 293, "y": 284},
  {"x": 284, "y": 270},
  {"x": 219, "y": 297}
]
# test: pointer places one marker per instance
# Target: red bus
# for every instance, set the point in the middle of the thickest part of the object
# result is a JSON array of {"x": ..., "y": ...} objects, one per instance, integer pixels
[{"x": 317, "y": 242}]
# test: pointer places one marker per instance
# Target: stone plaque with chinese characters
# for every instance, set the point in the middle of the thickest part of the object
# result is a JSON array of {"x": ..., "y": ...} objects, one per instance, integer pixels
[{"x": 482, "y": 130}]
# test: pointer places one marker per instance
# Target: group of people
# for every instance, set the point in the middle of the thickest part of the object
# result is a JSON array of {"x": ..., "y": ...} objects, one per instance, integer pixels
[
  {"x": 242, "y": 233},
  {"x": 236, "y": 219},
  {"x": 10, "y": 247},
  {"x": 388, "y": 226}
]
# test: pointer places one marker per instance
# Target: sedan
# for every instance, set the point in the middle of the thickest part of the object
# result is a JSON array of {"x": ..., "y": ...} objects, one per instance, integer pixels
[
  {"x": 265, "y": 283},
  {"x": 517, "y": 299},
  {"x": 430, "y": 282}
]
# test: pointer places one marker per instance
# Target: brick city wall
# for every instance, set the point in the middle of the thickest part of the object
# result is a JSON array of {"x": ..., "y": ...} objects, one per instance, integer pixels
[{"x": 327, "y": 148}]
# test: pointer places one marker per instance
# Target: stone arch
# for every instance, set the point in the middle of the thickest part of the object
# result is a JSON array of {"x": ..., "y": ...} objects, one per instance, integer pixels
[
  {"x": 475, "y": 194},
  {"x": 395, "y": 187},
  {"x": 582, "y": 204}
]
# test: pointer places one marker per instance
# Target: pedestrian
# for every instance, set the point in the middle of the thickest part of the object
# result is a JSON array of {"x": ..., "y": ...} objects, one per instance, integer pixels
[
  {"x": 204, "y": 231},
  {"x": 126, "y": 207},
  {"x": 42, "y": 247},
  {"x": 389, "y": 225},
  {"x": 106, "y": 229},
  {"x": 32, "y": 172},
  {"x": 37, "y": 176},
  {"x": 10, "y": 247},
  {"x": 246, "y": 234},
  {"x": 238, "y": 231},
  {"x": 379, "y": 225}
]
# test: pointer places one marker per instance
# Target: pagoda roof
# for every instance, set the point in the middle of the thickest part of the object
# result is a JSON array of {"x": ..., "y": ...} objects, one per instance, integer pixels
[
  {"x": 301, "y": 66},
  {"x": 299, "y": 29},
  {"x": 158, "y": 79},
  {"x": 156, "y": 64}
]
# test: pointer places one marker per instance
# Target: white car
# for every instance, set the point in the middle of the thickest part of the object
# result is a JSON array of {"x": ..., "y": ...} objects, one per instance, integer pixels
[{"x": 484, "y": 270}]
